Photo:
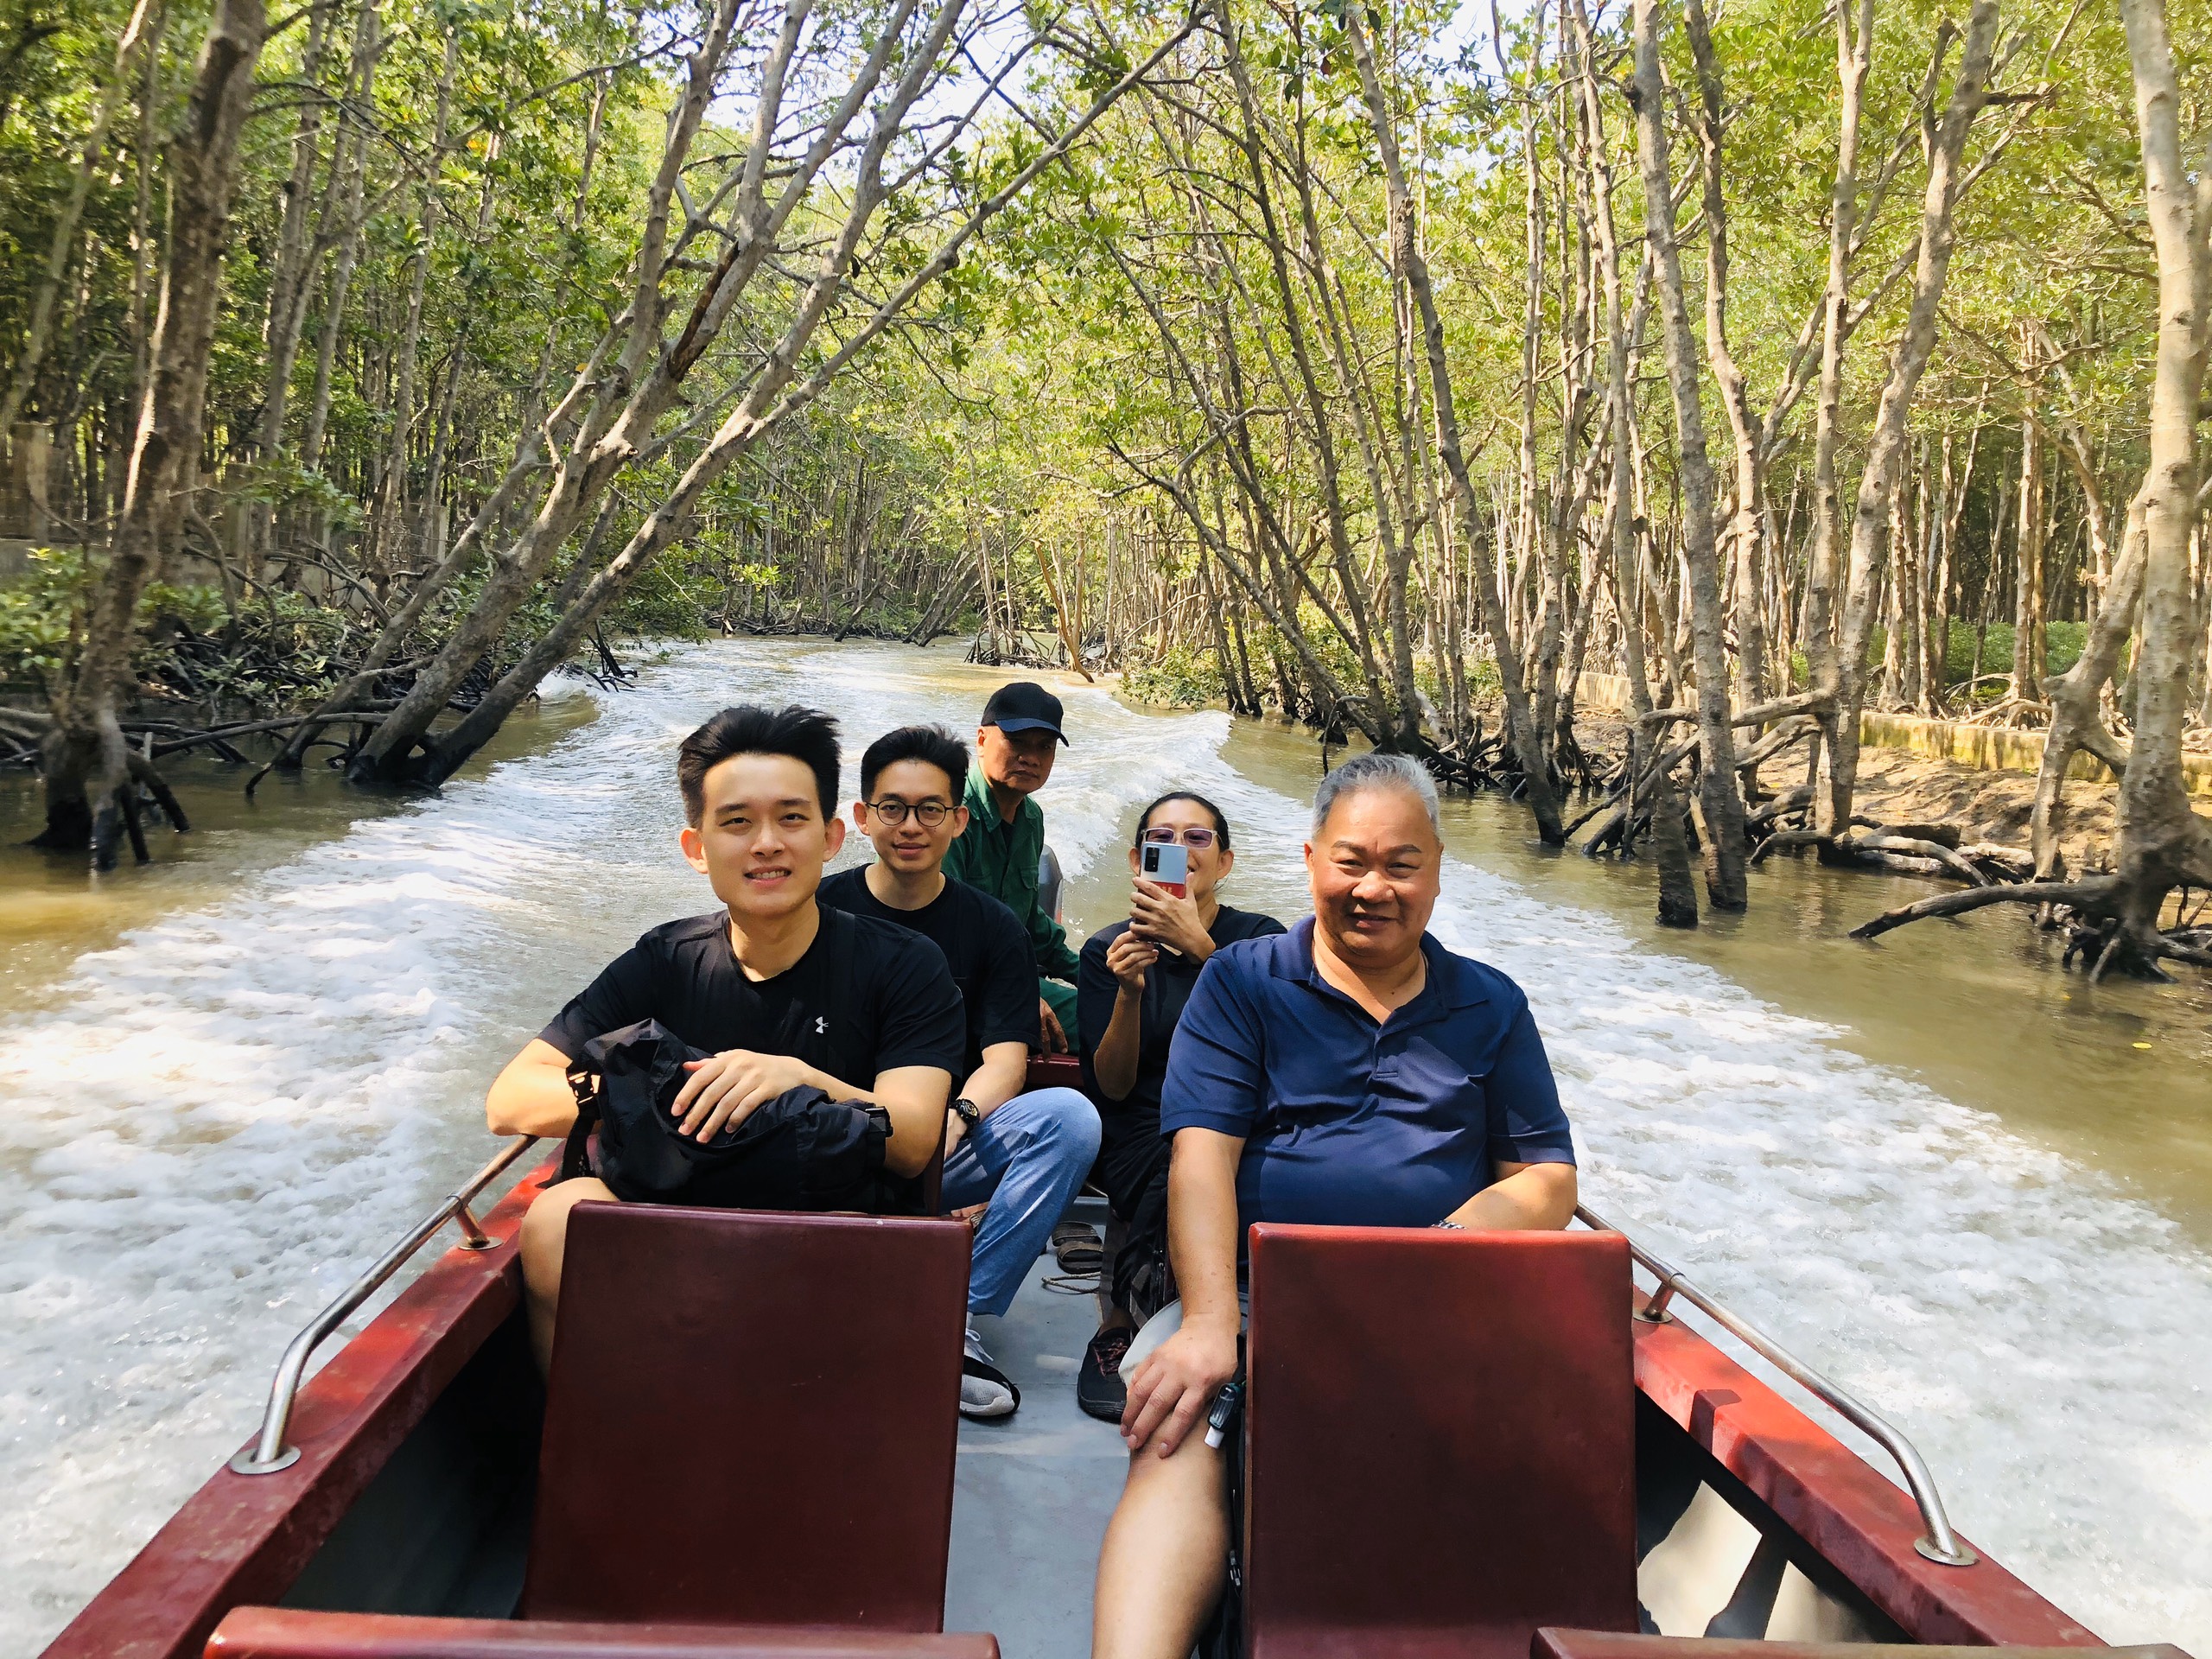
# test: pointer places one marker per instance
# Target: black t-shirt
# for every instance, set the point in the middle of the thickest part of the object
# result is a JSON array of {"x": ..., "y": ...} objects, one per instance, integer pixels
[
  {"x": 864, "y": 999},
  {"x": 1134, "y": 1119},
  {"x": 984, "y": 943}
]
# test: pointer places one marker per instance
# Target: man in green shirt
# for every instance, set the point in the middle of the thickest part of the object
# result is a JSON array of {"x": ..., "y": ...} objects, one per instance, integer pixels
[{"x": 1004, "y": 843}]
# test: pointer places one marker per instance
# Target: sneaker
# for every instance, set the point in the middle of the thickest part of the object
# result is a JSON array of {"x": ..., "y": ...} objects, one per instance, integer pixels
[
  {"x": 1098, "y": 1386},
  {"x": 986, "y": 1392}
]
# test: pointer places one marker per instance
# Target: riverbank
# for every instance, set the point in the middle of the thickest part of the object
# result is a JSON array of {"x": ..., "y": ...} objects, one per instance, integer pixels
[{"x": 1896, "y": 784}]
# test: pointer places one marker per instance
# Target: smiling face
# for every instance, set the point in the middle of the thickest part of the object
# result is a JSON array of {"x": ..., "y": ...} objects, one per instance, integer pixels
[
  {"x": 762, "y": 840},
  {"x": 1375, "y": 866},
  {"x": 1208, "y": 864},
  {"x": 910, "y": 847},
  {"x": 1019, "y": 761}
]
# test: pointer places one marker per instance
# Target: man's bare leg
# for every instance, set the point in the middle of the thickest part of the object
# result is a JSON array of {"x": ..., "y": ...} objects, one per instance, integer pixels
[
  {"x": 544, "y": 1243},
  {"x": 1166, "y": 1557}
]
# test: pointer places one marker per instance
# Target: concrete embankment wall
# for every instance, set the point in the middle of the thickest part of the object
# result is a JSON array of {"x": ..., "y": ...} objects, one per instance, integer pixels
[{"x": 1980, "y": 748}]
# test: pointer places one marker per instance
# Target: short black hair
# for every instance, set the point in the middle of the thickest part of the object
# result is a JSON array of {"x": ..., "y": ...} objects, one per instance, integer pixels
[
  {"x": 931, "y": 745},
  {"x": 1220, "y": 819},
  {"x": 807, "y": 736}
]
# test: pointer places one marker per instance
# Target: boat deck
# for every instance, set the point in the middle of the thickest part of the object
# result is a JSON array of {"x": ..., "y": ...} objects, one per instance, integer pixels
[{"x": 1035, "y": 1490}]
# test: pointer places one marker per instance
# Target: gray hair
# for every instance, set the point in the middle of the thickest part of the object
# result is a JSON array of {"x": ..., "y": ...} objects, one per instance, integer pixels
[{"x": 1377, "y": 770}]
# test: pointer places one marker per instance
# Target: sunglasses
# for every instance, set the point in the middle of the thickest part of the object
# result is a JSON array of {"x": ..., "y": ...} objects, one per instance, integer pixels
[
  {"x": 928, "y": 813},
  {"x": 1166, "y": 837}
]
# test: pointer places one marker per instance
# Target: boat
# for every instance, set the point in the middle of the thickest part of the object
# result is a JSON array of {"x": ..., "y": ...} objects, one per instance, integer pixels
[{"x": 1429, "y": 1471}]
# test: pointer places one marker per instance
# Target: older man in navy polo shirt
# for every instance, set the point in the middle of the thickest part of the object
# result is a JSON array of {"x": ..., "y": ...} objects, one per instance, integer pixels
[{"x": 1351, "y": 1072}]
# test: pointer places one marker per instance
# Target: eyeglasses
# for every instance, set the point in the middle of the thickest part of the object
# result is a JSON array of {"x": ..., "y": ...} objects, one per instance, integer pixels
[
  {"x": 928, "y": 813},
  {"x": 1167, "y": 838}
]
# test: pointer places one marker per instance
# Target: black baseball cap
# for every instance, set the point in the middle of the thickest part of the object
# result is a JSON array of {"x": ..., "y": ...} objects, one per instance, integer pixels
[{"x": 1024, "y": 706}]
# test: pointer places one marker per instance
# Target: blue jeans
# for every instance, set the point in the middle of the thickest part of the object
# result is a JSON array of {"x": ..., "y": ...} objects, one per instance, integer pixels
[{"x": 1027, "y": 1158}]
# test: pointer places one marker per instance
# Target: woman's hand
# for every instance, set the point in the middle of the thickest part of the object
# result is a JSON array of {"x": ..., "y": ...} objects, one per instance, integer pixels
[
  {"x": 1127, "y": 958},
  {"x": 1164, "y": 919}
]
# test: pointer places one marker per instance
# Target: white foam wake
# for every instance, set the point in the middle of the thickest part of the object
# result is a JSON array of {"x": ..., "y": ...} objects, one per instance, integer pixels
[{"x": 225, "y": 1116}]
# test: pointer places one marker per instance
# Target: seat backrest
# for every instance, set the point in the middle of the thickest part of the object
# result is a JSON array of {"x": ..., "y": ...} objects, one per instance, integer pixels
[
  {"x": 295, "y": 1633},
  {"x": 1550, "y": 1643},
  {"x": 750, "y": 1419},
  {"x": 1053, "y": 1072},
  {"x": 1441, "y": 1440}
]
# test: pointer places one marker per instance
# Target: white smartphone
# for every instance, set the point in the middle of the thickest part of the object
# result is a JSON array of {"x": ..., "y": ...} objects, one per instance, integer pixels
[{"x": 1168, "y": 863}]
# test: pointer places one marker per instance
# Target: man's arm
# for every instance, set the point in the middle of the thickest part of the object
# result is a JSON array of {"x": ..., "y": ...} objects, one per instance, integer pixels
[
  {"x": 914, "y": 1097},
  {"x": 531, "y": 1095},
  {"x": 1003, "y": 1074},
  {"x": 1179, "y": 1379},
  {"x": 1525, "y": 1198}
]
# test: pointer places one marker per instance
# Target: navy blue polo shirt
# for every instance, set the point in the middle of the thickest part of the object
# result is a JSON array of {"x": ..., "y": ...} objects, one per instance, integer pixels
[{"x": 1349, "y": 1123}]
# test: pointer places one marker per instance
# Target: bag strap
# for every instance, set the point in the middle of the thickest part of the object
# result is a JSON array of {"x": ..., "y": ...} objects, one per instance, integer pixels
[{"x": 576, "y": 1153}]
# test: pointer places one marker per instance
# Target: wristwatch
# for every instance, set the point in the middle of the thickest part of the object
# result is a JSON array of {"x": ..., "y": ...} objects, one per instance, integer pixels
[{"x": 966, "y": 1109}]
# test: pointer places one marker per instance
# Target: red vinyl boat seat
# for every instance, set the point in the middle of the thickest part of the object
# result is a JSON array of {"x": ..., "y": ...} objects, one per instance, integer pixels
[
  {"x": 1440, "y": 1441},
  {"x": 1054, "y": 1071},
  {"x": 1550, "y": 1643},
  {"x": 750, "y": 1420},
  {"x": 294, "y": 1633}
]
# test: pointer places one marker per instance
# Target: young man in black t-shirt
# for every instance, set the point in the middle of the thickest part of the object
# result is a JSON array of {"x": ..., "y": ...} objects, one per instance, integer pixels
[
  {"x": 1012, "y": 1158},
  {"x": 782, "y": 993}
]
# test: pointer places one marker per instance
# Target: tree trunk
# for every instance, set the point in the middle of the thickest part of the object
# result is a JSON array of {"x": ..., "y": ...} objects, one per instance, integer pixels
[
  {"x": 38, "y": 330},
  {"x": 1749, "y": 520},
  {"x": 85, "y": 764},
  {"x": 353, "y": 158},
  {"x": 1520, "y": 732},
  {"x": 1677, "y": 887},
  {"x": 2028, "y": 654},
  {"x": 2162, "y": 843},
  {"x": 1844, "y": 688},
  {"x": 1718, "y": 794},
  {"x": 2076, "y": 700},
  {"x": 389, "y": 534},
  {"x": 1855, "y": 58}
]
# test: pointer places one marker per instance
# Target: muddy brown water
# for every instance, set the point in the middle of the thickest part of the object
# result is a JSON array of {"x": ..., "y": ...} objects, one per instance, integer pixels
[{"x": 52, "y": 912}]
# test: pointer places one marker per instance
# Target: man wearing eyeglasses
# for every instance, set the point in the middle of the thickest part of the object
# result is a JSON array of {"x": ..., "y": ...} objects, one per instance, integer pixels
[{"x": 1012, "y": 1159}]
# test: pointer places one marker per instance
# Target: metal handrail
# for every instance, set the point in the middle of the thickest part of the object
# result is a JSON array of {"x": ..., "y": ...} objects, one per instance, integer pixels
[
  {"x": 1939, "y": 1543},
  {"x": 269, "y": 1453}
]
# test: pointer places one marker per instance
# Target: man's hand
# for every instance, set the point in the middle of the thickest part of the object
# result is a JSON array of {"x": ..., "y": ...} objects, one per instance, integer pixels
[
  {"x": 1128, "y": 957},
  {"x": 1160, "y": 915},
  {"x": 724, "y": 1089},
  {"x": 956, "y": 1129},
  {"x": 1056, "y": 1036},
  {"x": 1176, "y": 1383}
]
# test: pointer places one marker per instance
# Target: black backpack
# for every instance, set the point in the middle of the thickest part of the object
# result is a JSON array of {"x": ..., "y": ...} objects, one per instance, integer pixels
[{"x": 800, "y": 1151}]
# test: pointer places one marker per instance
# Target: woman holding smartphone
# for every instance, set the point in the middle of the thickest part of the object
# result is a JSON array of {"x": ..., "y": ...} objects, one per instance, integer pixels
[{"x": 1134, "y": 980}]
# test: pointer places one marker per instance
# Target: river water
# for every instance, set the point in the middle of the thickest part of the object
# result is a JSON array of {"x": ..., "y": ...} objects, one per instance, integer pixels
[{"x": 1976, "y": 1192}]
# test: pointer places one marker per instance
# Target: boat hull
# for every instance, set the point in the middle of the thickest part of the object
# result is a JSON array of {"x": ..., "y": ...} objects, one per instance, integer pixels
[{"x": 413, "y": 1490}]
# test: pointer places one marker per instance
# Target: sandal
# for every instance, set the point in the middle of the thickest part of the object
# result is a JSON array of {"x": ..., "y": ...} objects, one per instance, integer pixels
[{"x": 1077, "y": 1248}]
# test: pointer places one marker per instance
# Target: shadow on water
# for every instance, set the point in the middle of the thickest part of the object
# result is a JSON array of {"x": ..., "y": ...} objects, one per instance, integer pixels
[{"x": 2116, "y": 1076}]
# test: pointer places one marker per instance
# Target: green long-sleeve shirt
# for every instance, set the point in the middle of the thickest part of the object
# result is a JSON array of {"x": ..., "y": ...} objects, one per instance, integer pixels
[{"x": 1002, "y": 859}]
